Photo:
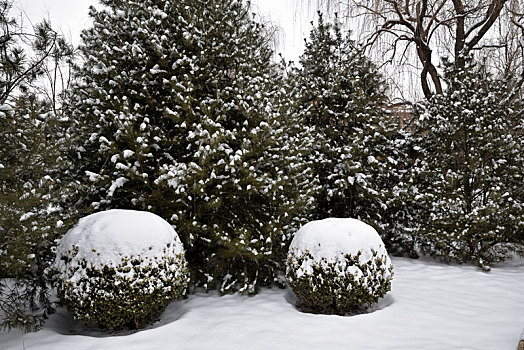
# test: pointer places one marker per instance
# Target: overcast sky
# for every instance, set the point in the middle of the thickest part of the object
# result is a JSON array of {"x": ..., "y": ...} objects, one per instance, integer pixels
[{"x": 71, "y": 16}]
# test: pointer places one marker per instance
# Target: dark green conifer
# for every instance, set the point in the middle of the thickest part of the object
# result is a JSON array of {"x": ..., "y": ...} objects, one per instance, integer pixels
[
  {"x": 31, "y": 193},
  {"x": 357, "y": 149},
  {"x": 468, "y": 172},
  {"x": 179, "y": 112}
]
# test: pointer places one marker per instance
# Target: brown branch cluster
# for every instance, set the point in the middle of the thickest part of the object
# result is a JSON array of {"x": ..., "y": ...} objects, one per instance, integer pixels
[{"x": 426, "y": 27}]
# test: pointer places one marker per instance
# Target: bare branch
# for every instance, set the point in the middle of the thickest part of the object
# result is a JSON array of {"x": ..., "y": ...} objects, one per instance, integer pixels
[
  {"x": 434, "y": 17},
  {"x": 520, "y": 82},
  {"x": 498, "y": 5},
  {"x": 483, "y": 21}
]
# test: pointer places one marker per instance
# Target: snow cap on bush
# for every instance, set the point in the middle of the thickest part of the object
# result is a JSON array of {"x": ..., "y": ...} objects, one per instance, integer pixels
[
  {"x": 120, "y": 268},
  {"x": 338, "y": 265}
]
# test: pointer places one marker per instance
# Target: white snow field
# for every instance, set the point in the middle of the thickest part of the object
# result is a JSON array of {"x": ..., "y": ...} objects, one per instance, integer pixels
[{"x": 431, "y": 306}]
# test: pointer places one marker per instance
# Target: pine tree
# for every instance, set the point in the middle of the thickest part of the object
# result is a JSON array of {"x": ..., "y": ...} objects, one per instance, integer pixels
[
  {"x": 28, "y": 216},
  {"x": 468, "y": 171},
  {"x": 178, "y": 111},
  {"x": 31, "y": 197},
  {"x": 32, "y": 210},
  {"x": 357, "y": 143}
]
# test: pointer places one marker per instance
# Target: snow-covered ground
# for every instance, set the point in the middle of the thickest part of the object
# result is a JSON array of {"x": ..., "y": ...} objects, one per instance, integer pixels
[{"x": 431, "y": 306}]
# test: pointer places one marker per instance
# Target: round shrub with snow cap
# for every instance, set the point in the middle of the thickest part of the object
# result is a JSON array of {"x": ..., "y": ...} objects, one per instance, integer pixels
[
  {"x": 338, "y": 266},
  {"x": 120, "y": 268}
]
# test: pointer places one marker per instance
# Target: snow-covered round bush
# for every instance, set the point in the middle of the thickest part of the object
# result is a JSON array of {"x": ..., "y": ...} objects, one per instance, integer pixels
[
  {"x": 338, "y": 266},
  {"x": 120, "y": 268}
]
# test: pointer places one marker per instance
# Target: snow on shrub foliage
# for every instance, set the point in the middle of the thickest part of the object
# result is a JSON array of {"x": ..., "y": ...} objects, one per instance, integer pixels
[
  {"x": 120, "y": 268},
  {"x": 338, "y": 266}
]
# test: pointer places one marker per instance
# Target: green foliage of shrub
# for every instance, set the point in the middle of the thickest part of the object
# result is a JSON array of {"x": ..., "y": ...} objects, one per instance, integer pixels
[
  {"x": 130, "y": 294},
  {"x": 466, "y": 180},
  {"x": 179, "y": 110},
  {"x": 357, "y": 153},
  {"x": 347, "y": 285}
]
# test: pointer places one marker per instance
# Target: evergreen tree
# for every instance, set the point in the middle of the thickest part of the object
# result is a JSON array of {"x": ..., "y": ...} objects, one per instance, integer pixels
[
  {"x": 31, "y": 210},
  {"x": 468, "y": 171},
  {"x": 357, "y": 150},
  {"x": 178, "y": 111}
]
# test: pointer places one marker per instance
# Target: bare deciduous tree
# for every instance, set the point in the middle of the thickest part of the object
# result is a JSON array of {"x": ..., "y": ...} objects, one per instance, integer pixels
[{"x": 433, "y": 28}]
